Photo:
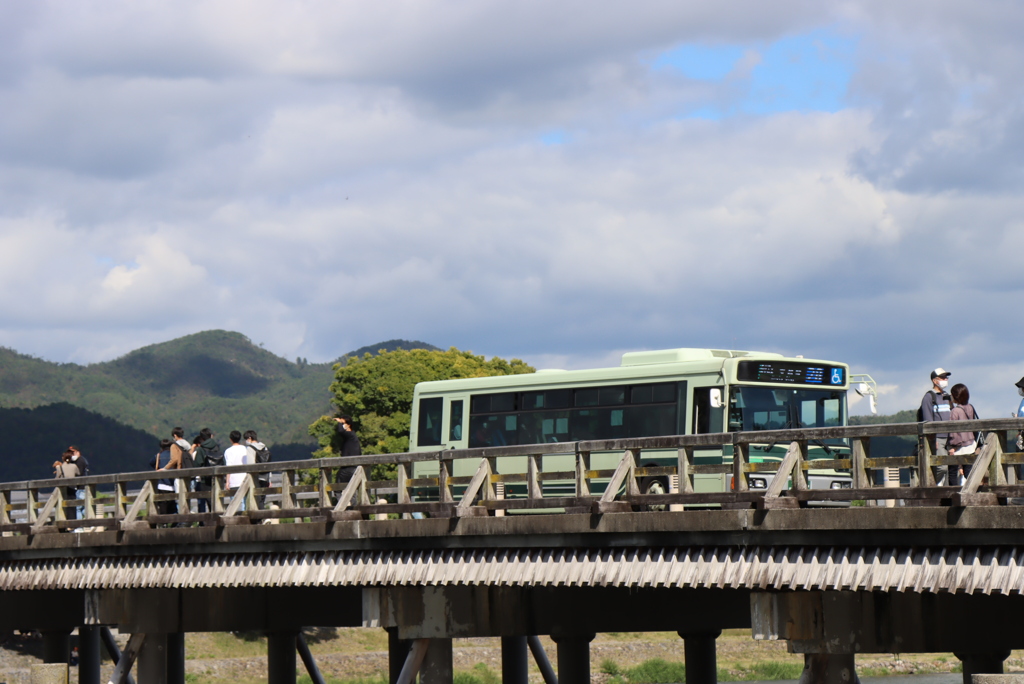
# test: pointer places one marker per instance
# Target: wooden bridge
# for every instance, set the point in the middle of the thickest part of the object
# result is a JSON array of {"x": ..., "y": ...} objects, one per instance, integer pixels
[{"x": 447, "y": 557}]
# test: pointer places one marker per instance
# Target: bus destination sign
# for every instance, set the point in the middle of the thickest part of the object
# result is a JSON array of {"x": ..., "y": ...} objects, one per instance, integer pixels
[{"x": 790, "y": 372}]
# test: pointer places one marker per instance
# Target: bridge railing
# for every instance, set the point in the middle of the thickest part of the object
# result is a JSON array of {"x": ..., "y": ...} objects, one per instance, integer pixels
[{"x": 305, "y": 490}]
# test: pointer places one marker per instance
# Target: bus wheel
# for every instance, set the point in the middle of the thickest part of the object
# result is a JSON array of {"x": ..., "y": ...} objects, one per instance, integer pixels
[{"x": 654, "y": 485}]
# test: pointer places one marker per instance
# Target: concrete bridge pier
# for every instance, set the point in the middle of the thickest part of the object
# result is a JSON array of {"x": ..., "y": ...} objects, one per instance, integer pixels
[
  {"x": 398, "y": 651},
  {"x": 515, "y": 666},
  {"x": 281, "y": 657},
  {"x": 162, "y": 658},
  {"x": 56, "y": 646},
  {"x": 701, "y": 656},
  {"x": 829, "y": 668},
  {"x": 88, "y": 655},
  {"x": 573, "y": 658},
  {"x": 982, "y": 663},
  {"x": 437, "y": 664}
]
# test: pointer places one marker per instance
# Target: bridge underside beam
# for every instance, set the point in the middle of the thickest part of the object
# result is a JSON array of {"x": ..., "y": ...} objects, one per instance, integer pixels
[
  {"x": 888, "y": 622},
  {"x": 52, "y": 609},
  {"x": 224, "y": 609},
  {"x": 460, "y": 611}
]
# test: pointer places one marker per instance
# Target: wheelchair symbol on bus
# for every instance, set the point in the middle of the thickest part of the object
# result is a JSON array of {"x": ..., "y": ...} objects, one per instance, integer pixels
[{"x": 837, "y": 376}]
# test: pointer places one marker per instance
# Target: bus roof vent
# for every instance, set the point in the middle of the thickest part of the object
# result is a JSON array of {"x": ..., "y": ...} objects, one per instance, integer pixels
[
  {"x": 645, "y": 358},
  {"x": 665, "y": 356}
]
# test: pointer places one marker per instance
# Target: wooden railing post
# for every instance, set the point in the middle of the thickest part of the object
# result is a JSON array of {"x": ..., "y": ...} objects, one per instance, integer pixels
[
  {"x": 740, "y": 466},
  {"x": 324, "y": 488},
  {"x": 120, "y": 496},
  {"x": 287, "y": 477},
  {"x": 216, "y": 495},
  {"x": 403, "y": 488},
  {"x": 860, "y": 453},
  {"x": 533, "y": 488},
  {"x": 31, "y": 501},
  {"x": 927, "y": 477},
  {"x": 582, "y": 468},
  {"x": 5, "y": 506},
  {"x": 444, "y": 487}
]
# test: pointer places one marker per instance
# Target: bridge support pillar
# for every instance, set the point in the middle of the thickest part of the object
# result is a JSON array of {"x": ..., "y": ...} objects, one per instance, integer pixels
[
  {"x": 398, "y": 651},
  {"x": 175, "y": 658},
  {"x": 514, "y": 663},
  {"x": 152, "y": 661},
  {"x": 701, "y": 657},
  {"x": 982, "y": 663},
  {"x": 829, "y": 668},
  {"x": 437, "y": 665},
  {"x": 162, "y": 658},
  {"x": 573, "y": 658},
  {"x": 281, "y": 657},
  {"x": 56, "y": 646},
  {"x": 88, "y": 655}
]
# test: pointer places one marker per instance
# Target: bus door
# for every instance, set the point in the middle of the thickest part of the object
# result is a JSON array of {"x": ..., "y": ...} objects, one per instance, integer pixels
[
  {"x": 456, "y": 432},
  {"x": 709, "y": 417}
]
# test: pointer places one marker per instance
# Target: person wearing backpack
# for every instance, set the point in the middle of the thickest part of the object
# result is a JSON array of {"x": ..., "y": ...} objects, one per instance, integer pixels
[
  {"x": 935, "y": 405},
  {"x": 181, "y": 451},
  {"x": 258, "y": 453},
  {"x": 206, "y": 455}
]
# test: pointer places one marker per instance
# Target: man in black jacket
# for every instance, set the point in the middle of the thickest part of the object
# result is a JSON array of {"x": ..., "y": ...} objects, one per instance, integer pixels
[
  {"x": 207, "y": 454},
  {"x": 350, "y": 446}
]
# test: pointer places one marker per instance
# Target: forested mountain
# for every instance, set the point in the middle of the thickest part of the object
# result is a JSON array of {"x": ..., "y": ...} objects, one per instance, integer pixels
[
  {"x": 890, "y": 446},
  {"x": 216, "y": 379}
]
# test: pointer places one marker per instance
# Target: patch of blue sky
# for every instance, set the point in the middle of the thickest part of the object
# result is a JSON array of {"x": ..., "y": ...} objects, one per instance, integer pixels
[
  {"x": 809, "y": 72},
  {"x": 806, "y": 72},
  {"x": 701, "y": 62},
  {"x": 553, "y": 137}
]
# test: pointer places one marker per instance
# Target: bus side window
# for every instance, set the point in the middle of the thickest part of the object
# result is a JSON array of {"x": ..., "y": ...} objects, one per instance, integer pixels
[
  {"x": 455, "y": 421},
  {"x": 429, "y": 432},
  {"x": 706, "y": 419}
]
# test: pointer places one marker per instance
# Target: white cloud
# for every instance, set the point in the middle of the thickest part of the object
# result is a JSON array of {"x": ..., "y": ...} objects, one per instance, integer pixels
[{"x": 323, "y": 176}]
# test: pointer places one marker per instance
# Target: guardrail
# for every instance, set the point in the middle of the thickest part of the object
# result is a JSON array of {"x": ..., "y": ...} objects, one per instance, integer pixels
[{"x": 108, "y": 504}]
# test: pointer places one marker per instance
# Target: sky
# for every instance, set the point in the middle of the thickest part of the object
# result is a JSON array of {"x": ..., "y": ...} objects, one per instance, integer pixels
[{"x": 558, "y": 181}]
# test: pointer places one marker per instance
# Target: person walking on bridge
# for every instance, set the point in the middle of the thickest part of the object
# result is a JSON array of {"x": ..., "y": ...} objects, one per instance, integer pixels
[
  {"x": 936, "y": 405},
  {"x": 206, "y": 455},
  {"x": 350, "y": 446},
  {"x": 961, "y": 443},
  {"x": 236, "y": 455}
]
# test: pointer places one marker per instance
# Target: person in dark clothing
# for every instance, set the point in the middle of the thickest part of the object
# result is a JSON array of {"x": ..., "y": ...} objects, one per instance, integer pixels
[
  {"x": 83, "y": 469},
  {"x": 206, "y": 455},
  {"x": 350, "y": 446},
  {"x": 166, "y": 485}
]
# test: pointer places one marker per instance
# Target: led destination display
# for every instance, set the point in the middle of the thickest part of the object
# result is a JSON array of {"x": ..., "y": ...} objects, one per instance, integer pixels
[{"x": 790, "y": 372}]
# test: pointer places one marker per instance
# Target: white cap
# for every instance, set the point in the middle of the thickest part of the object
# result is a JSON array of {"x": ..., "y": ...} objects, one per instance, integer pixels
[{"x": 940, "y": 373}]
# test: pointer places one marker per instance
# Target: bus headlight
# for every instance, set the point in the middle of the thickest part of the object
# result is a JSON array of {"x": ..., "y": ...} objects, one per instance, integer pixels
[
  {"x": 758, "y": 483},
  {"x": 841, "y": 484}
]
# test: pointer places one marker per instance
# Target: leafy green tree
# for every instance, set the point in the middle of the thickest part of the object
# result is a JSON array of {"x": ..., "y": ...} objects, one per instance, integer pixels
[{"x": 377, "y": 392}]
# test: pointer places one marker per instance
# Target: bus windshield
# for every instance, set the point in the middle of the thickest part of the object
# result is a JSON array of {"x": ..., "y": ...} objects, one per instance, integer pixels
[{"x": 780, "y": 408}]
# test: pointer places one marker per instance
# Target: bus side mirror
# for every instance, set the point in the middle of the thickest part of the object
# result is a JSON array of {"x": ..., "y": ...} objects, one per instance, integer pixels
[{"x": 716, "y": 397}]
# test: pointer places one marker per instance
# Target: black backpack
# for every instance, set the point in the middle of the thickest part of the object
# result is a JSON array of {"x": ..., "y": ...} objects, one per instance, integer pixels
[
  {"x": 186, "y": 457},
  {"x": 213, "y": 457},
  {"x": 262, "y": 455}
]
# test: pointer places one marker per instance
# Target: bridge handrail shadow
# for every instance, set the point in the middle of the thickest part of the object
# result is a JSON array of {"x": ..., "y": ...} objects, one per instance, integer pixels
[{"x": 304, "y": 490}]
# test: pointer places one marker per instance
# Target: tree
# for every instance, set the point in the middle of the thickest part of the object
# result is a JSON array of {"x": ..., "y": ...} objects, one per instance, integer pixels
[{"x": 377, "y": 392}]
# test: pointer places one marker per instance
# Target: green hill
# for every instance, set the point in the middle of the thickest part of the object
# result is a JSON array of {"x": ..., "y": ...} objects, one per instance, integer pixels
[
  {"x": 216, "y": 379},
  {"x": 882, "y": 447}
]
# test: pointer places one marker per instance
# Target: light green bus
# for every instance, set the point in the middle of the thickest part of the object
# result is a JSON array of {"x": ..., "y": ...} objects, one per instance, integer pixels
[{"x": 652, "y": 393}]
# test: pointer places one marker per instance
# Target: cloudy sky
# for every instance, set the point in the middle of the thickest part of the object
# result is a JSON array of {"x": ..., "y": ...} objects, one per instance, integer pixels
[{"x": 556, "y": 181}]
